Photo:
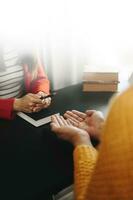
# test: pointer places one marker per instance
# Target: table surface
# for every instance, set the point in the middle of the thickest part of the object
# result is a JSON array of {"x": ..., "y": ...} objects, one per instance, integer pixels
[{"x": 34, "y": 162}]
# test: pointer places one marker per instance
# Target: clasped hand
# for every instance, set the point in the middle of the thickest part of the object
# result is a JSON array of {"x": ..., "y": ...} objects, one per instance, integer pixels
[{"x": 31, "y": 103}]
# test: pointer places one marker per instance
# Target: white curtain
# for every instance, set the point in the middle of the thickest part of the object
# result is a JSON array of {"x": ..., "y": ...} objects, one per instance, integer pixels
[
  {"x": 96, "y": 33},
  {"x": 63, "y": 61},
  {"x": 72, "y": 34}
]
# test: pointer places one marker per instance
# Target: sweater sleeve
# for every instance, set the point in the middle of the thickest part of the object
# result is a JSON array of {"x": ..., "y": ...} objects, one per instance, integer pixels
[
  {"x": 6, "y": 108},
  {"x": 84, "y": 162}
]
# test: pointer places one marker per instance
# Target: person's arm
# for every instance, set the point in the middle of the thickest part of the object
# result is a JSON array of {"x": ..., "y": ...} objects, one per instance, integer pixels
[
  {"x": 41, "y": 86},
  {"x": 6, "y": 108},
  {"x": 38, "y": 85},
  {"x": 41, "y": 83},
  {"x": 85, "y": 157}
]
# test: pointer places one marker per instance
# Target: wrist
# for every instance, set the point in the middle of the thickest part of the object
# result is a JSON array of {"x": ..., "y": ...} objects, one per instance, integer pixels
[
  {"x": 82, "y": 140},
  {"x": 79, "y": 143},
  {"x": 16, "y": 105}
]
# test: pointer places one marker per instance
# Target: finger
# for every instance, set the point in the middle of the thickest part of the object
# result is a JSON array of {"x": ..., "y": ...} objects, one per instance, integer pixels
[
  {"x": 41, "y": 94},
  {"x": 54, "y": 120},
  {"x": 41, "y": 106},
  {"x": 90, "y": 112},
  {"x": 36, "y": 100},
  {"x": 69, "y": 123},
  {"x": 60, "y": 121},
  {"x": 35, "y": 96},
  {"x": 31, "y": 104},
  {"x": 98, "y": 115},
  {"x": 68, "y": 116},
  {"x": 46, "y": 102},
  {"x": 46, "y": 105},
  {"x": 73, "y": 122},
  {"x": 38, "y": 105},
  {"x": 64, "y": 121},
  {"x": 27, "y": 110},
  {"x": 36, "y": 109},
  {"x": 74, "y": 115},
  {"x": 54, "y": 126},
  {"x": 81, "y": 115}
]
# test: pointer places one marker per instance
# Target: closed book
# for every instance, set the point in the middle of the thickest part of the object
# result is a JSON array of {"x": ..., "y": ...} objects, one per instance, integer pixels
[
  {"x": 100, "y": 76},
  {"x": 100, "y": 81},
  {"x": 98, "y": 87}
]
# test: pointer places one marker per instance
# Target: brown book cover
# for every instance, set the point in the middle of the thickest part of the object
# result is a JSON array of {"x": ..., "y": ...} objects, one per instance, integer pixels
[
  {"x": 97, "y": 87},
  {"x": 100, "y": 76},
  {"x": 100, "y": 81}
]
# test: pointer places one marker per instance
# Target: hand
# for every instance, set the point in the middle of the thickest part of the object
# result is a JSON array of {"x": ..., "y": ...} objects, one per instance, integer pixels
[
  {"x": 27, "y": 103},
  {"x": 91, "y": 121},
  {"x": 66, "y": 131},
  {"x": 45, "y": 102}
]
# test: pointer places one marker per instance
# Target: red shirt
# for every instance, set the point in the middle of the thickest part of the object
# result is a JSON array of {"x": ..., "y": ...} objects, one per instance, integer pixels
[{"x": 41, "y": 83}]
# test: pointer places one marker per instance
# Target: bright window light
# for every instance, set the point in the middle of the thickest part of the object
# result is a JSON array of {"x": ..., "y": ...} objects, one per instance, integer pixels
[{"x": 101, "y": 29}]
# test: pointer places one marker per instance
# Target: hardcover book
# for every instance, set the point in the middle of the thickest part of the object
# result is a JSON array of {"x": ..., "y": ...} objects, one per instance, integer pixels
[{"x": 100, "y": 81}]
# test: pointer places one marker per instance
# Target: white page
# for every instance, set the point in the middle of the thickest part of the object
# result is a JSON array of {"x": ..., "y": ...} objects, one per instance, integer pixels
[{"x": 35, "y": 123}]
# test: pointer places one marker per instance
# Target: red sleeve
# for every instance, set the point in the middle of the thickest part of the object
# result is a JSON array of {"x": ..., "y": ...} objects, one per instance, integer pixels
[
  {"x": 41, "y": 83},
  {"x": 6, "y": 108}
]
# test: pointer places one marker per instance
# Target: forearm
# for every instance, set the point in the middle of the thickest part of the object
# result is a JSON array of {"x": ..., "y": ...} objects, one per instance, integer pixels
[{"x": 85, "y": 157}]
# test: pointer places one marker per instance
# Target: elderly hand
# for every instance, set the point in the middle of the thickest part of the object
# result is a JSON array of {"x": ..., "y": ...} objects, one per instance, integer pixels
[
  {"x": 27, "y": 103},
  {"x": 91, "y": 121},
  {"x": 66, "y": 131},
  {"x": 45, "y": 102}
]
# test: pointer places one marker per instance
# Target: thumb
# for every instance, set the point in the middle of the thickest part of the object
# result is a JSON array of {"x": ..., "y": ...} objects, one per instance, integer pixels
[{"x": 90, "y": 112}]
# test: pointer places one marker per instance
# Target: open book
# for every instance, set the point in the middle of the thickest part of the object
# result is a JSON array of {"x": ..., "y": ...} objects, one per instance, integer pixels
[{"x": 37, "y": 119}]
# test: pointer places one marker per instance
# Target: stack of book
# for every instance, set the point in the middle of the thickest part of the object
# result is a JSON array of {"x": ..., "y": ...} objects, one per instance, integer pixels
[{"x": 100, "y": 81}]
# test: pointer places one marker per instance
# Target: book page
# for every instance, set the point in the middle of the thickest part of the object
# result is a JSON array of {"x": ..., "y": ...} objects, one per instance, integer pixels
[{"x": 37, "y": 119}]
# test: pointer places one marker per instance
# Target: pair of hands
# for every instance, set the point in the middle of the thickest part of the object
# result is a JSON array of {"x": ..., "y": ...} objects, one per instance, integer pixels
[
  {"x": 78, "y": 127},
  {"x": 31, "y": 103}
]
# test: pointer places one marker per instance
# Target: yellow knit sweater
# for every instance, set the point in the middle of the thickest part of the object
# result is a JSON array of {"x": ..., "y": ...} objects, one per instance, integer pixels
[{"x": 108, "y": 175}]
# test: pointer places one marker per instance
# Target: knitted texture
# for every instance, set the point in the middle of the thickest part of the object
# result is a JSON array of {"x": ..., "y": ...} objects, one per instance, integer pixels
[
  {"x": 112, "y": 177},
  {"x": 84, "y": 161}
]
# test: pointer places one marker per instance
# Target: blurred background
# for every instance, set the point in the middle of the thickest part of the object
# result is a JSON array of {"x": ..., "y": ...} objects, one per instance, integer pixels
[{"x": 71, "y": 34}]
